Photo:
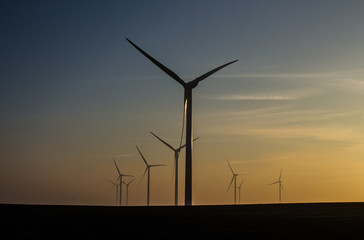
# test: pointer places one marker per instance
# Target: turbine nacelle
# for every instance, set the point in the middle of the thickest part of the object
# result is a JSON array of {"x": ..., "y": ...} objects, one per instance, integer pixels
[{"x": 191, "y": 85}]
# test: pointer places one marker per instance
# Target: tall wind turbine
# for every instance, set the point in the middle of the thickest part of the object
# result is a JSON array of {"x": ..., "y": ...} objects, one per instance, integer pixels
[
  {"x": 233, "y": 179},
  {"x": 147, "y": 169},
  {"x": 127, "y": 191},
  {"x": 116, "y": 187},
  {"x": 239, "y": 188},
  {"x": 176, "y": 155},
  {"x": 120, "y": 178},
  {"x": 279, "y": 185},
  {"x": 188, "y": 86}
]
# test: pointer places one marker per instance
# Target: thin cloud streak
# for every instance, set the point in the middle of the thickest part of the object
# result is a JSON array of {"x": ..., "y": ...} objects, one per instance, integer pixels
[
  {"x": 275, "y": 96},
  {"x": 253, "y": 97},
  {"x": 345, "y": 74},
  {"x": 279, "y": 116},
  {"x": 287, "y": 123},
  {"x": 318, "y": 133},
  {"x": 282, "y": 75}
]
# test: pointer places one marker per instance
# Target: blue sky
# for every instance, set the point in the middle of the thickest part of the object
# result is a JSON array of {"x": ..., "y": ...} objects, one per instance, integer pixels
[{"x": 75, "y": 94}]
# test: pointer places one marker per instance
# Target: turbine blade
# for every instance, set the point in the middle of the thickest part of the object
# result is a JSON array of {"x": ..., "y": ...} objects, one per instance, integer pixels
[
  {"x": 202, "y": 77},
  {"x": 230, "y": 167},
  {"x": 142, "y": 156},
  {"x": 161, "y": 66},
  {"x": 282, "y": 187},
  {"x": 184, "y": 145},
  {"x": 116, "y": 166},
  {"x": 124, "y": 175},
  {"x": 127, "y": 184},
  {"x": 165, "y": 143},
  {"x": 112, "y": 182},
  {"x": 146, "y": 169},
  {"x": 132, "y": 180},
  {"x": 241, "y": 182},
  {"x": 232, "y": 179},
  {"x": 280, "y": 175},
  {"x": 181, "y": 147},
  {"x": 157, "y": 165},
  {"x": 273, "y": 183}
]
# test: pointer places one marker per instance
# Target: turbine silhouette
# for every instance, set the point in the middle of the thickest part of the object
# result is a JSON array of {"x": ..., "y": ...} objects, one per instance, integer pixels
[
  {"x": 147, "y": 169},
  {"x": 120, "y": 178},
  {"x": 233, "y": 179},
  {"x": 279, "y": 185},
  {"x": 188, "y": 86},
  {"x": 176, "y": 155},
  {"x": 239, "y": 188},
  {"x": 127, "y": 191},
  {"x": 116, "y": 187}
]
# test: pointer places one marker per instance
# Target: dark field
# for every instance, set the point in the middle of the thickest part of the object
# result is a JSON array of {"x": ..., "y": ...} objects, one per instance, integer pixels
[{"x": 261, "y": 221}]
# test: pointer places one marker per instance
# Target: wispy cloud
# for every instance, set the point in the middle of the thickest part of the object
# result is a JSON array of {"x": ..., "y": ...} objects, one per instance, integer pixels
[
  {"x": 285, "y": 115},
  {"x": 343, "y": 74},
  {"x": 350, "y": 80},
  {"x": 318, "y": 133},
  {"x": 348, "y": 84},
  {"x": 254, "y": 97},
  {"x": 284, "y": 75},
  {"x": 273, "y": 96},
  {"x": 285, "y": 122}
]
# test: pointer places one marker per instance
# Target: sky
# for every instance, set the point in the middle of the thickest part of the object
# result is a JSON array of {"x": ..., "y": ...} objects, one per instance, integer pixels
[{"x": 75, "y": 95}]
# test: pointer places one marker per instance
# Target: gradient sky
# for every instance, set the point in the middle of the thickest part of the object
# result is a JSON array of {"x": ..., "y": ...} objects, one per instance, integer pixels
[{"x": 74, "y": 95}]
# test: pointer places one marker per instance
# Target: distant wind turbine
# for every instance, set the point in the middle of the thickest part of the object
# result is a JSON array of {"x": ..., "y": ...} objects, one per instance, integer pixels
[
  {"x": 127, "y": 191},
  {"x": 120, "y": 178},
  {"x": 147, "y": 169},
  {"x": 239, "y": 188},
  {"x": 188, "y": 86},
  {"x": 176, "y": 155},
  {"x": 233, "y": 179},
  {"x": 279, "y": 186},
  {"x": 116, "y": 187}
]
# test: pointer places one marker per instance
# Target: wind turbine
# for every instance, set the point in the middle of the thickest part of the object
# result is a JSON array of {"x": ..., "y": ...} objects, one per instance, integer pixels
[
  {"x": 239, "y": 188},
  {"x": 176, "y": 155},
  {"x": 188, "y": 86},
  {"x": 116, "y": 187},
  {"x": 127, "y": 191},
  {"x": 233, "y": 179},
  {"x": 120, "y": 178},
  {"x": 279, "y": 185},
  {"x": 147, "y": 169}
]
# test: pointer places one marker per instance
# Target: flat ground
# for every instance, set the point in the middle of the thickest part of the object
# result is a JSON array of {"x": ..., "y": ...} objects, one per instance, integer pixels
[{"x": 259, "y": 221}]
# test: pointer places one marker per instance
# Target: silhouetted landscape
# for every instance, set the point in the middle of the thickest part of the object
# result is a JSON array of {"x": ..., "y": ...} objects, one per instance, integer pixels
[{"x": 256, "y": 221}]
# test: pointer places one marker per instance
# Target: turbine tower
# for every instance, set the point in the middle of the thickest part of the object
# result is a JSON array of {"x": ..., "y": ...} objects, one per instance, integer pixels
[
  {"x": 239, "y": 188},
  {"x": 127, "y": 191},
  {"x": 147, "y": 169},
  {"x": 188, "y": 86},
  {"x": 279, "y": 186},
  {"x": 176, "y": 155},
  {"x": 116, "y": 187},
  {"x": 120, "y": 178},
  {"x": 233, "y": 179}
]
